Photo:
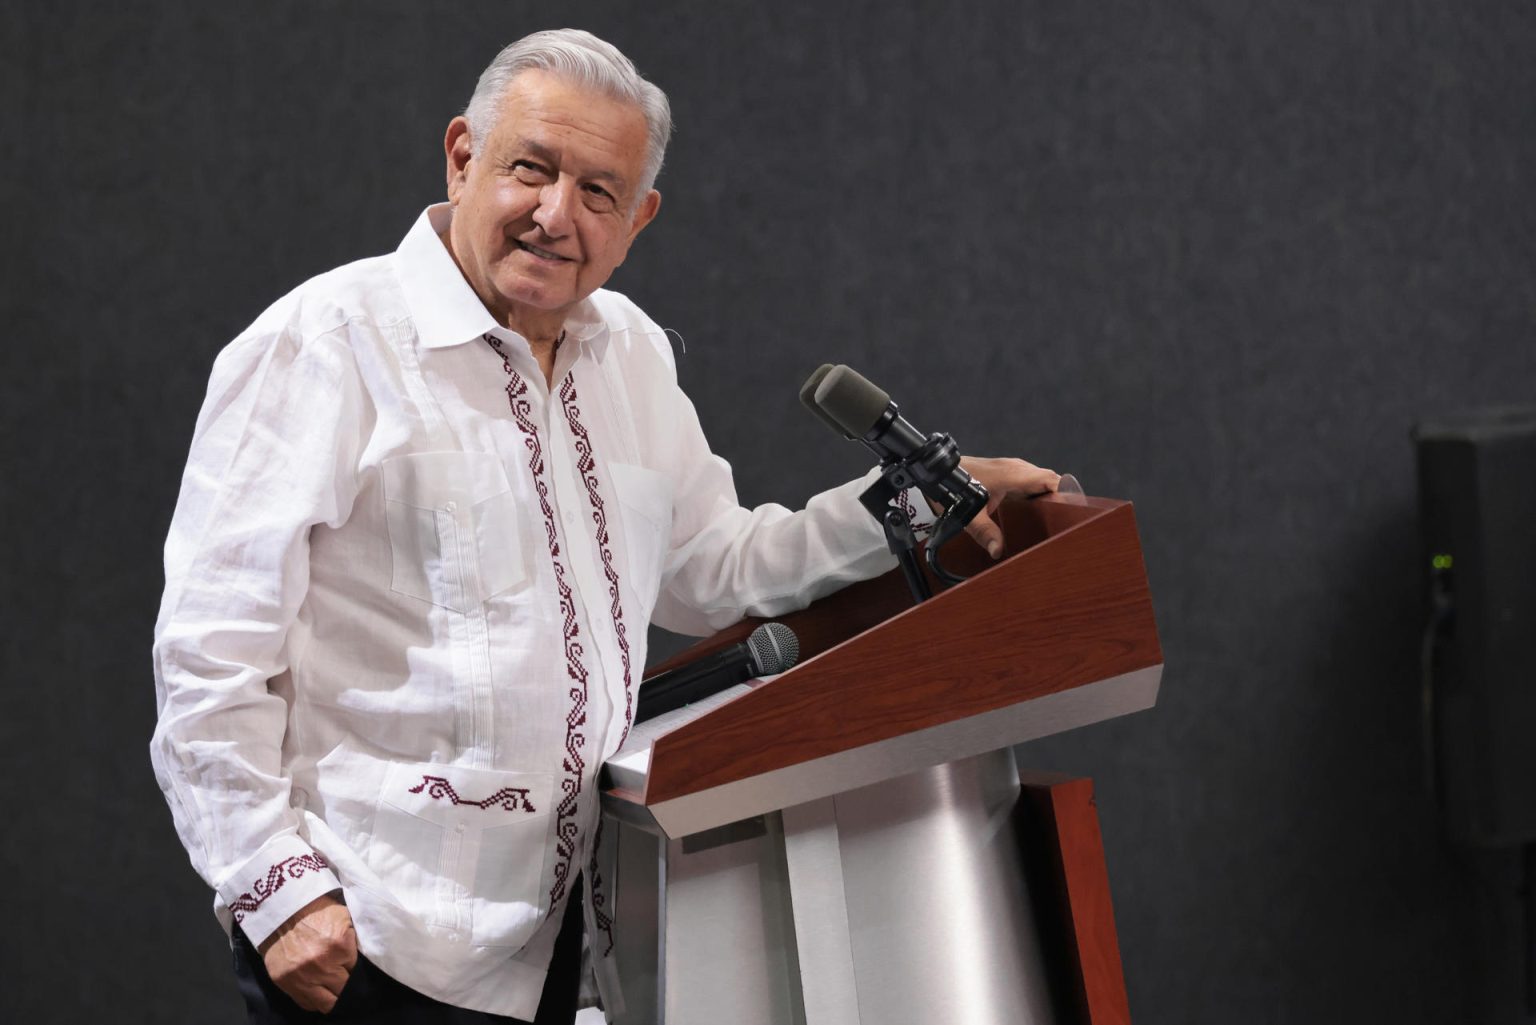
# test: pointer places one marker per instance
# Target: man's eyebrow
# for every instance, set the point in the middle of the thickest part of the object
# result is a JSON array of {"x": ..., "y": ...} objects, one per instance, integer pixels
[
  {"x": 541, "y": 152},
  {"x": 533, "y": 147}
]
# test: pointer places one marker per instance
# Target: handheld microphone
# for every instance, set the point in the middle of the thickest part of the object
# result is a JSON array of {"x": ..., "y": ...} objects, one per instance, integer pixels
[{"x": 771, "y": 648}]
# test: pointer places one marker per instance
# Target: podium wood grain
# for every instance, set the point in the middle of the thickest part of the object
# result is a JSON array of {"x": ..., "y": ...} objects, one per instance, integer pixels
[
  {"x": 1071, "y": 881},
  {"x": 1075, "y": 611}
]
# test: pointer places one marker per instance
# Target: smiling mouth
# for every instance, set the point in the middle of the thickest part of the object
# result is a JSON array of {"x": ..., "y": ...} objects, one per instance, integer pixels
[{"x": 543, "y": 254}]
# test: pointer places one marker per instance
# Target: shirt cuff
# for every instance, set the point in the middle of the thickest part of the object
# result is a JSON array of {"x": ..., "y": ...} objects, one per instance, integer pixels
[
  {"x": 285, "y": 875},
  {"x": 911, "y": 501},
  {"x": 919, "y": 512}
]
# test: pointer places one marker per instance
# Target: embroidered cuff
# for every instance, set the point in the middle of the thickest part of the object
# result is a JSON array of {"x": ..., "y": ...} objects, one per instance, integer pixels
[
  {"x": 911, "y": 501},
  {"x": 918, "y": 511},
  {"x": 284, "y": 875}
]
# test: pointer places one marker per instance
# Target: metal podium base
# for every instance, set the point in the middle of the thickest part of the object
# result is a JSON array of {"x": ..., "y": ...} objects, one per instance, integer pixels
[{"x": 901, "y": 902}]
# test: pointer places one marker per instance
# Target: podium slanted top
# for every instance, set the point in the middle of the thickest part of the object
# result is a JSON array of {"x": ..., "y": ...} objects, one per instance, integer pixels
[{"x": 1058, "y": 634}]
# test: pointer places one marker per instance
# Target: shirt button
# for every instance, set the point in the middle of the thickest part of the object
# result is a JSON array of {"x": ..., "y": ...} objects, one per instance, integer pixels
[
  {"x": 450, "y": 507},
  {"x": 570, "y": 517},
  {"x": 459, "y": 828}
]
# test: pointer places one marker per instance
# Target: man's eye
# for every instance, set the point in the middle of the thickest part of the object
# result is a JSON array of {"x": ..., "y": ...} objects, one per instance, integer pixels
[
  {"x": 599, "y": 194},
  {"x": 528, "y": 171}
]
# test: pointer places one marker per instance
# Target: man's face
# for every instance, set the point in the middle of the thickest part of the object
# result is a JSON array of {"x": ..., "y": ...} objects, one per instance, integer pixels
[{"x": 550, "y": 205}]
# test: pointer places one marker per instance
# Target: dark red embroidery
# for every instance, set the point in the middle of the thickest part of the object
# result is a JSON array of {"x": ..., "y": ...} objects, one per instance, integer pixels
[
  {"x": 588, "y": 469},
  {"x": 510, "y": 798},
  {"x": 277, "y": 875},
  {"x": 599, "y": 900},
  {"x": 566, "y": 827},
  {"x": 920, "y": 529}
]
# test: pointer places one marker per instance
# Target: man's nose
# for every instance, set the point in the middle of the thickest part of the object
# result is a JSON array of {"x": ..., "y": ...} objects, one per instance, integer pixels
[{"x": 554, "y": 210}]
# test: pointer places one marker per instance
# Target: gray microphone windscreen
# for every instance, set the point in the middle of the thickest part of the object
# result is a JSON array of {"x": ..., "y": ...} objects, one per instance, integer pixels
[
  {"x": 775, "y": 648},
  {"x": 808, "y": 399},
  {"x": 850, "y": 400}
]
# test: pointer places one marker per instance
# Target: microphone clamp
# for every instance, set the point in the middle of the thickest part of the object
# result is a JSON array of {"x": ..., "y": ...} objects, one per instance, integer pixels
[
  {"x": 848, "y": 403},
  {"x": 931, "y": 469}
]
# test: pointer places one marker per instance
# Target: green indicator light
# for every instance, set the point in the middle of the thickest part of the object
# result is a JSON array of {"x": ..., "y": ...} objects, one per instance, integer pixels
[{"x": 1441, "y": 562}]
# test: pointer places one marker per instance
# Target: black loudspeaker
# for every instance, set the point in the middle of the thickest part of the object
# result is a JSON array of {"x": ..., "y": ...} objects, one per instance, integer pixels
[{"x": 1477, "y": 501}]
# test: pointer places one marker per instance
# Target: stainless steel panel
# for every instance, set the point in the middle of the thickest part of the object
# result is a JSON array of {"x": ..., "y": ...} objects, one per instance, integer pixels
[
  {"x": 899, "y": 902},
  {"x": 822, "y": 935},
  {"x": 632, "y": 979},
  {"x": 728, "y": 937},
  {"x": 939, "y": 914}
]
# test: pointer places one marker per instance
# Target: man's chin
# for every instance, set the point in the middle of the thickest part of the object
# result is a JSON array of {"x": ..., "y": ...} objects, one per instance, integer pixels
[{"x": 537, "y": 297}]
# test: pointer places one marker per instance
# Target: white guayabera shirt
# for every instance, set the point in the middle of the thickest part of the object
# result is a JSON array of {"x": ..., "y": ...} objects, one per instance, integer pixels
[{"x": 407, "y": 589}]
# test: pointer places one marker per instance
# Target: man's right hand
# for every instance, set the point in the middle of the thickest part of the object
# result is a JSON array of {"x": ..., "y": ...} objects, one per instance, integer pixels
[{"x": 311, "y": 956}]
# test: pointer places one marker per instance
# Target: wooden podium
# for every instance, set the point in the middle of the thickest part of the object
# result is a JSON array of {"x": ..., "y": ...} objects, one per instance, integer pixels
[{"x": 851, "y": 843}]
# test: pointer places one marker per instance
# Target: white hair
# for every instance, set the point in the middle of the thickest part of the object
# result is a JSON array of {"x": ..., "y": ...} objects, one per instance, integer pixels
[{"x": 584, "y": 59}]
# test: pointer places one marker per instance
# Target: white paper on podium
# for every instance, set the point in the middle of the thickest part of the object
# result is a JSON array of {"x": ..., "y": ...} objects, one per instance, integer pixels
[{"x": 631, "y": 763}]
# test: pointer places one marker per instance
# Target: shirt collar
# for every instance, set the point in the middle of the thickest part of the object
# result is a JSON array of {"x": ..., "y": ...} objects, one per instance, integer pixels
[{"x": 445, "y": 309}]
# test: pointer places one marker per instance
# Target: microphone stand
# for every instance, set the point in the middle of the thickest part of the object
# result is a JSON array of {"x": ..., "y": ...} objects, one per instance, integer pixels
[
  {"x": 927, "y": 468},
  {"x": 880, "y": 499}
]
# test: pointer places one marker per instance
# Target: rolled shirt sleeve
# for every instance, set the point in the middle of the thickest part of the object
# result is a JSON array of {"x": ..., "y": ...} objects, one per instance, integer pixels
[{"x": 273, "y": 454}]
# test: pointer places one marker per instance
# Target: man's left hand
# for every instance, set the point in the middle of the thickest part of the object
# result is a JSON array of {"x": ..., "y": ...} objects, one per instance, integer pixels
[{"x": 1002, "y": 477}]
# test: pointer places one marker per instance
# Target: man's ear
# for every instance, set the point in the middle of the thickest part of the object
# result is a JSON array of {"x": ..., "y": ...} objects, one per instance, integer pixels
[
  {"x": 456, "y": 147},
  {"x": 645, "y": 213}
]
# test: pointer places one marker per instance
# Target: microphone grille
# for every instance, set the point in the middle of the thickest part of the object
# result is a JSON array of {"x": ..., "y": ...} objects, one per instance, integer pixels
[
  {"x": 851, "y": 400},
  {"x": 775, "y": 648},
  {"x": 808, "y": 399}
]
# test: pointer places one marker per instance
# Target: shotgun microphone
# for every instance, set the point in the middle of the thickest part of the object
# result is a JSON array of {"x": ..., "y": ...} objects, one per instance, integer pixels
[{"x": 771, "y": 648}]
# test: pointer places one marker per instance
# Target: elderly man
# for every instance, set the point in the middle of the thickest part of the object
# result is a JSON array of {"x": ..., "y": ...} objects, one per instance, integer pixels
[{"x": 432, "y": 502}]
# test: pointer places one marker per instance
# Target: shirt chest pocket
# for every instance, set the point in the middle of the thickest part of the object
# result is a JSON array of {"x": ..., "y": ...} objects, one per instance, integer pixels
[{"x": 454, "y": 533}]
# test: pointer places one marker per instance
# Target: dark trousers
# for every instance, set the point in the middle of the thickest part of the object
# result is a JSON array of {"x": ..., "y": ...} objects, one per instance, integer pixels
[{"x": 372, "y": 998}]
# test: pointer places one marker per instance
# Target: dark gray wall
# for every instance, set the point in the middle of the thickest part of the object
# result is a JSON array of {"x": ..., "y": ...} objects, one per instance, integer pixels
[{"x": 1214, "y": 257}]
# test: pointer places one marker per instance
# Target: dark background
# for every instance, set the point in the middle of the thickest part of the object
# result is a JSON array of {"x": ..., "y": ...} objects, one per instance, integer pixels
[{"x": 1214, "y": 257}]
